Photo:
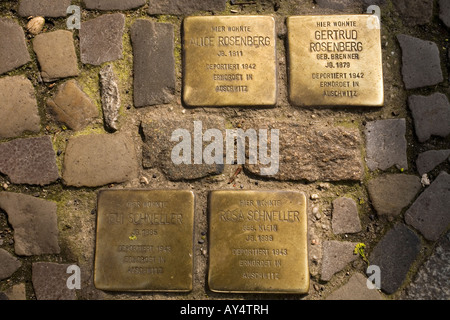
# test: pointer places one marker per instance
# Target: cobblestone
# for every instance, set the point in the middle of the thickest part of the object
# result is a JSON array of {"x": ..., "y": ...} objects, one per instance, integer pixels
[
  {"x": 16, "y": 292},
  {"x": 336, "y": 5},
  {"x": 345, "y": 216},
  {"x": 158, "y": 147},
  {"x": 45, "y": 8},
  {"x": 72, "y": 106},
  {"x": 154, "y": 66},
  {"x": 101, "y": 39},
  {"x": 113, "y": 4},
  {"x": 428, "y": 160},
  {"x": 56, "y": 54},
  {"x": 110, "y": 97},
  {"x": 355, "y": 289},
  {"x": 29, "y": 161},
  {"x": 336, "y": 255},
  {"x": 182, "y": 7},
  {"x": 49, "y": 281},
  {"x": 13, "y": 49},
  {"x": 99, "y": 159},
  {"x": 34, "y": 222},
  {"x": 313, "y": 153},
  {"x": 421, "y": 65},
  {"x": 415, "y": 12},
  {"x": 431, "y": 115},
  {"x": 429, "y": 213},
  {"x": 444, "y": 12},
  {"x": 8, "y": 264},
  {"x": 386, "y": 144},
  {"x": 18, "y": 108},
  {"x": 432, "y": 281},
  {"x": 394, "y": 254}
]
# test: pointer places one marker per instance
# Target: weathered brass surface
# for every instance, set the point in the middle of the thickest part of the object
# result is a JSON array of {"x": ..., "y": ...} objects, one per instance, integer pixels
[
  {"x": 335, "y": 60},
  {"x": 229, "y": 61},
  {"x": 258, "y": 242},
  {"x": 144, "y": 240}
]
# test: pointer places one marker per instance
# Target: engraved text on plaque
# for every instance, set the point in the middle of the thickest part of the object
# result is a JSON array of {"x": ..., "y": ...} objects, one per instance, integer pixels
[
  {"x": 229, "y": 61},
  {"x": 258, "y": 242},
  {"x": 335, "y": 60},
  {"x": 144, "y": 240}
]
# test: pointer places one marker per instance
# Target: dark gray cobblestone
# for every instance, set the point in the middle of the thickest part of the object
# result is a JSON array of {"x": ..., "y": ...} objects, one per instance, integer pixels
[
  {"x": 34, "y": 221},
  {"x": 421, "y": 64},
  {"x": 431, "y": 115},
  {"x": 386, "y": 144},
  {"x": 429, "y": 214},
  {"x": 394, "y": 254},
  {"x": 154, "y": 66},
  {"x": 101, "y": 39},
  {"x": 113, "y": 4},
  {"x": 432, "y": 281},
  {"x": 428, "y": 160},
  {"x": 49, "y": 281}
]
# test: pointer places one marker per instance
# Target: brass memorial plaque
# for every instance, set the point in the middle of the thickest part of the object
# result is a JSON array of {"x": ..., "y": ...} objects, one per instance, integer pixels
[
  {"x": 144, "y": 240},
  {"x": 335, "y": 60},
  {"x": 229, "y": 61},
  {"x": 258, "y": 242}
]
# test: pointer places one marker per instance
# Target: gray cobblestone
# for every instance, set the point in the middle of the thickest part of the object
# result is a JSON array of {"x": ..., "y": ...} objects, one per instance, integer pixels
[
  {"x": 13, "y": 49},
  {"x": 29, "y": 161},
  {"x": 394, "y": 254},
  {"x": 386, "y": 144},
  {"x": 154, "y": 66},
  {"x": 431, "y": 115},
  {"x": 34, "y": 222},
  {"x": 101, "y": 39},
  {"x": 429, "y": 213},
  {"x": 421, "y": 64},
  {"x": 428, "y": 160}
]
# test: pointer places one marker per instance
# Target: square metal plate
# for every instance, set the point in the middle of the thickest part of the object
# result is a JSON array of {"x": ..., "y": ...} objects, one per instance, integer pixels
[
  {"x": 144, "y": 240},
  {"x": 258, "y": 242},
  {"x": 335, "y": 60},
  {"x": 229, "y": 61}
]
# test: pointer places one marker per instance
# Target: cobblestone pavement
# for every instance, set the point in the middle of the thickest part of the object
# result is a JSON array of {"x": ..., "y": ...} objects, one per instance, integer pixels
[{"x": 89, "y": 109}]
